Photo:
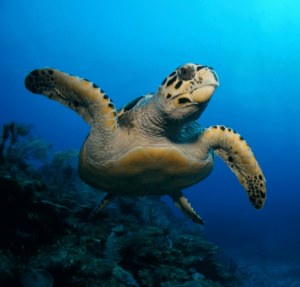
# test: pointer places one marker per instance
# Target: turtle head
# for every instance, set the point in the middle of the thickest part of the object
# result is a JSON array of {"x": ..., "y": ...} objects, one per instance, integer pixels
[{"x": 185, "y": 93}]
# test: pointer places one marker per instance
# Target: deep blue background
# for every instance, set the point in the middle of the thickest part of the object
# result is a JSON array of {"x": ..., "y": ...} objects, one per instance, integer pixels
[{"x": 128, "y": 47}]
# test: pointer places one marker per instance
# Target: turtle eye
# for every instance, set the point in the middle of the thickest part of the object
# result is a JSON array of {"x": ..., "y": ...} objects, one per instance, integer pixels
[{"x": 186, "y": 73}]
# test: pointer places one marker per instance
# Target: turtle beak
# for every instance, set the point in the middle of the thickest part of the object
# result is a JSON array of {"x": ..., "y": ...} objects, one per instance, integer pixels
[{"x": 203, "y": 94}]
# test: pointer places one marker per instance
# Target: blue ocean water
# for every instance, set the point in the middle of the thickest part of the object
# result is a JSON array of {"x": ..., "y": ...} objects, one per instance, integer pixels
[{"x": 128, "y": 47}]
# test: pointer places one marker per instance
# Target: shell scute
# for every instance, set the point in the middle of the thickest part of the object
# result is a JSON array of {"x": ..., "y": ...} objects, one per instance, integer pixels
[
  {"x": 136, "y": 158},
  {"x": 157, "y": 153},
  {"x": 174, "y": 158},
  {"x": 125, "y": 173}
]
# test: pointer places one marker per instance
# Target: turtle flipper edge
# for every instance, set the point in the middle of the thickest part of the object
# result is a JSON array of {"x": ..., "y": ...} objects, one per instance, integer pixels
[
  {"x": 80, "y": 95},
  {"x": 183, "y": 204},
  {"x": 235, "y": 151}
]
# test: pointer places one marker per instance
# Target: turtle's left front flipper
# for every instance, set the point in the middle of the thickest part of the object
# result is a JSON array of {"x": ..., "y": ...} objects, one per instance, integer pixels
[{"x": 235, "y": 151}]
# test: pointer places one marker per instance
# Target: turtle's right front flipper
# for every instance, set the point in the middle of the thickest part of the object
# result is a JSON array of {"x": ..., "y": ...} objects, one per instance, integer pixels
[
  {"x": 235, "y": 151},
  {"x": 80, "y": 95}
]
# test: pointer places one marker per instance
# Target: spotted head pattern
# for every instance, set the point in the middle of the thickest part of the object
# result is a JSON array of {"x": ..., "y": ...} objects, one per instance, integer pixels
[{"x": 190, "y": 83}]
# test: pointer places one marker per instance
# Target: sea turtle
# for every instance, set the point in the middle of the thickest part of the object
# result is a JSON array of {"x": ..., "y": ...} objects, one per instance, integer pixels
[{"x": 153, "y": 145}]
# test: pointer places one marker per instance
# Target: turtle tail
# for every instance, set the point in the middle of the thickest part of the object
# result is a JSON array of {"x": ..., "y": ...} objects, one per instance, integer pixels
[
  {"x": 235, "y": 151},
  {"x": 79, "y": 95}
]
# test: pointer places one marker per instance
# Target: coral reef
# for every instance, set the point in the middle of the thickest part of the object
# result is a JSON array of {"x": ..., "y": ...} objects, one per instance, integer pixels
[
  {"x": 19, "y": 148},
  {"x": 133, "y": 242}
]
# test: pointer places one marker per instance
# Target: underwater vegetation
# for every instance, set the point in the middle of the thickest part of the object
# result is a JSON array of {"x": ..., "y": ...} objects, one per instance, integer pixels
[
  {"x": 19, "y": 148},
  {"x": 49, "y": 240}
]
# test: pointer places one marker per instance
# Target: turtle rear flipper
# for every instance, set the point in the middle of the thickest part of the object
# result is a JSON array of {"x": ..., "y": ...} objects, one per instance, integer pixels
[
  {"x": 235, "y": 151},
  {"x": 104, "y": 202},
  {"x": 80, "y": 95},
  {"x": 183, "y": 204}
]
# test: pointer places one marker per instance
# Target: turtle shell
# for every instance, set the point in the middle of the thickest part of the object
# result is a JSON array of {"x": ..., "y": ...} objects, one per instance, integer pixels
[{"x": 131, "y": 104}]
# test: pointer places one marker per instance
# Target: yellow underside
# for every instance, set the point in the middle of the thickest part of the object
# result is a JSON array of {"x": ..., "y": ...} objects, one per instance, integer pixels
[{"x": 145, "y": 171}]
